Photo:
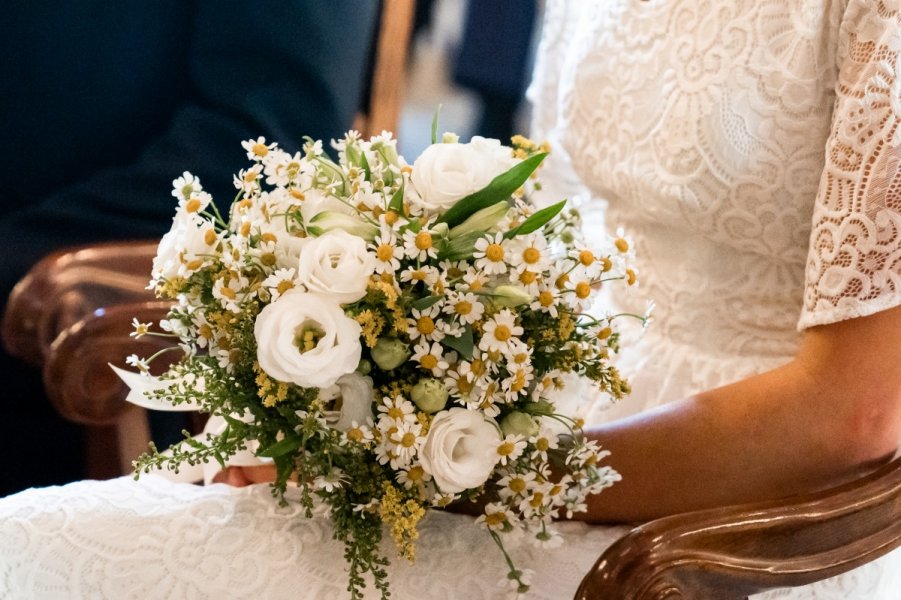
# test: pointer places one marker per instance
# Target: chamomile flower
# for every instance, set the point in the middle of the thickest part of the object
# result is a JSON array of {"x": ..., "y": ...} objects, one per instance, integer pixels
[
  {"x": 475, "y": 280},
  {"x": 141, "y": 364},
  {"x": 516, "y": 485},
  {"x": 248, "y": 180},
  {"x": 498, "y": 331},
  {"x": 430, "y": 357},
  {"x": 387, "y": 253},
  {"x": 420, "y": 245},
  {"x": 140, "y": 329},
  {"x": 491, "y": 254},
  {"x": 529, "y": 253},
  {"x": 186, "y": 186},
  {"x": 197, "y": 202},
  {"x": 280, "y": 282},
  {"x": 403, "y": 442},
  {"x": 497, "y": 517},
  {"x": 412, "y": 476},
  {"x": 231, "y": 291},
  {"x": 426, "y": 274},
  {"x": 464, "y": 306},
  {"x": 546, "y": 439},
  {"x": 257, "y": 149},
  {"x": 395, "y": 410},
  {"x": 510, "y": 448},
  {"x": 423, "y": 324},
  {"x": 546, "y": 300}
]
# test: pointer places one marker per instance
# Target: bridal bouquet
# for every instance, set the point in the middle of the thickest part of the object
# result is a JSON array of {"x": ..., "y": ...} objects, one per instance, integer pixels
[{"x": 393, "y": 337}]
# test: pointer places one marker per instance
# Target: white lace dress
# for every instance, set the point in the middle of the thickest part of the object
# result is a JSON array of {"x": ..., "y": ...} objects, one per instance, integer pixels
[{"x": 751, "y": 149}]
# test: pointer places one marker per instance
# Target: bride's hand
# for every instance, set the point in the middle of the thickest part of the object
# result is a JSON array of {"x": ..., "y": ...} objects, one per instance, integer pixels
[{"x": 244, "y": 476}]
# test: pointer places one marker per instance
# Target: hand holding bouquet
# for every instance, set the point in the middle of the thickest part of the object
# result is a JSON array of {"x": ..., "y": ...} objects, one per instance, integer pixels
[{"x": 392, "y": 337}]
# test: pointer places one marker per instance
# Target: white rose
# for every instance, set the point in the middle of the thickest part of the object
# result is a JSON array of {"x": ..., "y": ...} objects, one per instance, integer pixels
[
  {"x": 336, "y": 264},
  {"x": 446, "y": 173},
  {"x": 352, "y": 396},
  {"x": 460, "y": 450},
  {"x": 306, "y": 339}
]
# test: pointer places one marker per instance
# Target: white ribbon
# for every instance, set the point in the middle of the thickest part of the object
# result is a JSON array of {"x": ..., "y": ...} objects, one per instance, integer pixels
[{"x": 139, "y": 384}]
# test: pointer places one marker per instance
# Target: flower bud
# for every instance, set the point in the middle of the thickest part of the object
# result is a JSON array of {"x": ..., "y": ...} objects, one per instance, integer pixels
[
  {"x": 429, "y": 395},
  {"x": 481, "y": 220},
  {"x": 519, "y": 423},
  {"x": 330, "y": 220},
  {"x": 510, "y": 296},
  {"x": 365, "y": 367},
  {"x": 567, "y": 236},
  {"x": 450, "y": 138},
  {"x": 390, "y": 353}
]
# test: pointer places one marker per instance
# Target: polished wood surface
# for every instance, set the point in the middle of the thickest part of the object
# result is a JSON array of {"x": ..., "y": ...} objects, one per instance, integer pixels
[
  {"x": 732, "y": 552},
  {"x": 68, "y": 285}
]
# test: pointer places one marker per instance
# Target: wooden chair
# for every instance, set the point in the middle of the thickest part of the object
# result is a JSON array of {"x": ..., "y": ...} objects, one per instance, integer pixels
[
  {"x": 72, "y": 314},
  {"x": 67, "y": 293}
]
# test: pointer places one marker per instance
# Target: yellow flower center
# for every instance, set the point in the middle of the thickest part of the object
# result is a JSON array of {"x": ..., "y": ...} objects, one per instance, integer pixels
[
  {"x": 355, "y": 434},
  {"x": 385, "y": 252},
  {"x": 502, "y": 333},
  {"x": 297, "y": 194},
  {"x": 417, "y": 275},
  {"x": 494, "y": 253},
  {"x": 245, "y": 229},
  {"x": 475, "y": 286},
  {"x": 408, "y": 440},
  {"x": 425, "y": 325},
  {"x": 391, "y": 217},
  {"x": 209, "y": 238},
  {"x": 604, "y": 333},
  {"x": 260, "y": 149},
  {"x": 478, "y": 367},
  {"x": 423, "y": 240},
  {"x": 506, "y": 449},
  {"x": 463, "y": 307},
  {"x": 495, "y": 519},
  {"x": 193, "y": 205},
  {"x": 250, "y": 176},
  {"x": 517, "y": 485},
  {"x": 269, "y": 237},
  {"x": 542, "y": 444},
  {"x": 395, "y": 413},
  {"x": 562, "y": 281},
  {"x": 630, "y": 276},
  {"x": 227, "y": 292},
  {"x": 531, "y": 255},
  {"x": 621, "y": 245},
  {"x": 583, "y": 290},
  {"x": 527, "y": 277},
  {"x": 537, "y": 500},
  {"x": 429, "y": 361},
  {"x": 546, "y": 298},
  {"x": 586, "y": 257},
  {"x": 284, "y": 285}
]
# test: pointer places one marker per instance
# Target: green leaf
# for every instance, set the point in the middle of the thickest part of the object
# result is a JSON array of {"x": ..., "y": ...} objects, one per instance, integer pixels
[
  {"x": 500, "y": 188},
  {"x": 435, "y": 125},
  {"x": 424, "y": 303},
  {"x": 462, "y": 344},
  {"x": 397, "y": 200},
  {"x": 537, "y": 220},
  {"x": 288, "y": 444},
  {"x": 365, "y": 162}
]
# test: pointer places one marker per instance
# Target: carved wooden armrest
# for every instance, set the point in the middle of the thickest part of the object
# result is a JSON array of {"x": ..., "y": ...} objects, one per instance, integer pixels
[
  {"x": 732, "y": 552},
  {"x": 70, "y": 284},
  {"x": 77, "y": 376}
]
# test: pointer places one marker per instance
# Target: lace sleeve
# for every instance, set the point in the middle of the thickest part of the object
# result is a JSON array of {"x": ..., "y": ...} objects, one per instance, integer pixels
[
  {"x": 854, "y": 262},
  {"x": 558, "y": 178}
]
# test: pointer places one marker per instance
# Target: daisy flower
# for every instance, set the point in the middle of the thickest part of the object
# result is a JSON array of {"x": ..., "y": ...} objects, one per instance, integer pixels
[
  {"x": 423, "y": 324},
  {"x": 257, "y": 149},
  {"x": 510, "y": 448},
  {"x": 280, "y": 282},
  {"x": 464, "y": 306},
  {"x": 498, "y": 331},
  {"x": 387, "y": 252},
  {"x": 412, "y": 476},
  {"x": 497, "y": 517},
  {"x": 419, "y": 245},
  {"x": 491, "y": 254},
  {"x": 430, "y": 357},
  {"x": 186, "y": 186},
  {"x": 530, "y": 253}
]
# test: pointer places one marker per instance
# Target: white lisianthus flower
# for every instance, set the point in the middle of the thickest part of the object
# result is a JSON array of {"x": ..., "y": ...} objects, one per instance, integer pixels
[
  {"x": 337, "y": 264},
  {"x": 353, "y": 395},
  {"x": 446, "y": 173},
  {"x": 460, "y": 450},
  {"x": 306, "y": 339}
]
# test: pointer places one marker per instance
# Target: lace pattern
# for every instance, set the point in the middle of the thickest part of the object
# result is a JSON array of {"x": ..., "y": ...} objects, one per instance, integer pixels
[{"x": 854, "y": 264}]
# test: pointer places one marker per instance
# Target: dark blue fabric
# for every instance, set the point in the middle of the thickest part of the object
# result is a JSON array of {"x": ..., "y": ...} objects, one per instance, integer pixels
[{"x": 105, "y": 102}]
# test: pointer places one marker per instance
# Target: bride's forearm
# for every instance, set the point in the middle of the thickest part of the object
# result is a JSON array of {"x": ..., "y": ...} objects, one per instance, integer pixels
[{"x": 823, "y": 418}]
